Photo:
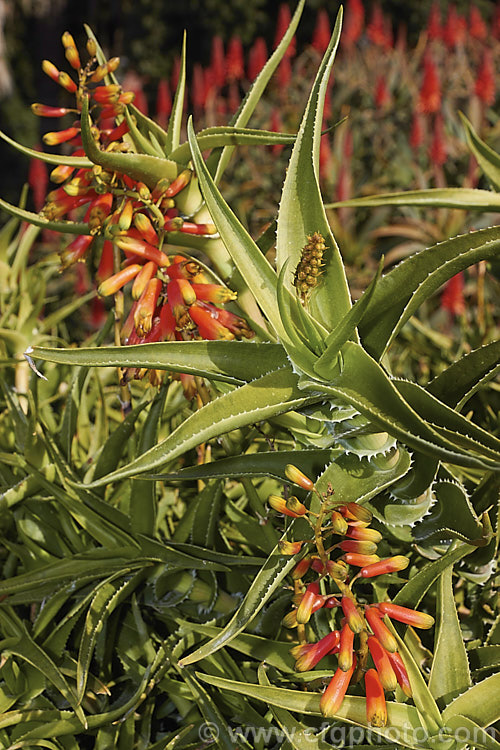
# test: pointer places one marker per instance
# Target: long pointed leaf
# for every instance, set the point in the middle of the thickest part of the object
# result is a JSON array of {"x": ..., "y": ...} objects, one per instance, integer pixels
[
  {"x": 301, "y": 210},
  {"x": 450, "y": 674},
  {"x": 79, "y": 162},
  {"x": 175, "y": 122},
  {"x": 274, "y": 393},
  {"x": 469, "y": 199},
  {"x": 487, "y": 158},
  {"x": 230, "y": 361}
]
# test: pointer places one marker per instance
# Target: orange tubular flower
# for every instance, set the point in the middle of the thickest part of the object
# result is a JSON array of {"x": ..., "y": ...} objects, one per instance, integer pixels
[
  {"x": 380, "y": 629},
  {"x": 289, "y": 548},
  {"x": 143, "y": 277},
  {"x": 400, "y": 672},
  {"x": 167, "y": 323},
  {"x": 389, "y": 565},
  {"x": 364, "y": 534},
  {"x": 332, "y": 698},
  {"x": 406, "y": 615},
  {"x": 61, "y": 136},
  {"x": 142, "y": 250},
  {"x": 339, "y": 524},
  {"x": 308, "y": 655},
  {"x": 346, "y": 652},
  {"x": 309, "y": 599},
  {"x": 146, "y": 306},
  {"x": 51, "y": 70},
  {"x": 43, "y": 110},
  {"x": 298, "y": 477},
  {"x": 209, "y": 327},
  {"x": 75, "y": 250},
  {"x": 357, "y": 514},
  {"x": 145, "y": 228},
  {"x": 354, "y": 619},
  {"x": 301, "y": 568},
  {"x": 116, "y": 282},
  {"x": 106, "y": 262},
  {"x": 213, "y": 293},
  {"x": 178, "y": 184},
  {"x": 61, "y": 173},
  {"x": 382, "y": 663},
  {"x": 376, "y": 708},
  {"x": 359, "y": 561},
  {"x": 362, "y": 548},
  {"x": 279, "y": 504},
  {"x": 67, "y": 82}
]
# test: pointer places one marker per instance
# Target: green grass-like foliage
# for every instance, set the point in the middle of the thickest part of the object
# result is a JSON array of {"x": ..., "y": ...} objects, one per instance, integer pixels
[{"x": 143, "y": 582}]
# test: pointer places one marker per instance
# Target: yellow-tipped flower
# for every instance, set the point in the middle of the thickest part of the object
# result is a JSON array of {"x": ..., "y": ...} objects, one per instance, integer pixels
[
  {"x": 354, "y": 619},
  {"x": 298, "y": 477},
  {"x": 308, "y": 655},
  {"x": 346, "y": 652},
  {"x": 408, "y": 616},
  {"x": 362, "y": 548},
  {"x": 356, "y": 513},
  {"x": 364, "y": 534},
  {"x": 279, "y": 504},
  {"x": 400, "y": 672},
  {"x": 380, "y": 629},
  {"x": 143, "y": 278},
  {"x": 334, "y": 695},
  {"x": 289, "y": 548},
  {"x": 307, "y": 603},
  {"x": 339, "y": 524},
  {"x": 376, "y": 708},
  {"x": 116, "y": 282},
  {"x": 382, "y": 663},
  {"x": 389, "y": 565},
  {"x": 301, "y": 568}
]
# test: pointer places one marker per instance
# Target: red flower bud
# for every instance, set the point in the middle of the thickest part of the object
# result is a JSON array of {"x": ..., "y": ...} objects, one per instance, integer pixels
[
  {"x": 332, "y": 698},
  {"x": 380, "y": 629},
  {"x": 389, "y": 565},
  {"x": 382, "y": 664},
  {"x": 376, "y": 708},
  {"x": 406, "y": 615},
  {"x": 354, "y": 619}
]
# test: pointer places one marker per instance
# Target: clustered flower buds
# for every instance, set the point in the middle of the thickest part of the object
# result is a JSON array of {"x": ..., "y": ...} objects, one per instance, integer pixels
[
  {"x": 310, "y": 266},
  {"x": 174, "y": 299},
  {"x": 362, "y": 637}
]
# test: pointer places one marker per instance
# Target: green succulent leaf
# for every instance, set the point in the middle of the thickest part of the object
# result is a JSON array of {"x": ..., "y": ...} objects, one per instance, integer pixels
[
  {"x": 175, "y": 122},
  {"x": 272, "y": 394},
  {"x": 267, "y": 463},
  {"x": 478, "y": 703},
  {"x": 69, "y": 227},
  {"x": 484, "y": 657},
  {"x": 143, "y": 167},
  {"x": 266, "y": 582},
  {"x": 400, "y": 292},
  {"x": 463, "y": 726},
  {"x": 455, "y": 385},
  {"x": 450, "y": 674},
  {"x": 413, "y": 592},
  {"x": 452, "y": 516},
  {"x": 468, "y": 199},
  {"x": 353, "y": 709},
  {"x": 301, "y": 210},
  {"x": 345, "y": 328},
  {"x": 487, "y": 158},
  {"x": 79, "y": 162},
  {"x": 253, "y": 266},
  {"x": 228, "y": 361},
  {"x": 142, "y": 144},
  {"x": 218, "y": 137},
  {"x": 298, "y": 735},
  {"x": 363, "y": 383}
]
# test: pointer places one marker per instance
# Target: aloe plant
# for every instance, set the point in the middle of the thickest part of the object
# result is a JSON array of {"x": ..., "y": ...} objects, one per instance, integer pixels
[{"x": 128, "y": 587}]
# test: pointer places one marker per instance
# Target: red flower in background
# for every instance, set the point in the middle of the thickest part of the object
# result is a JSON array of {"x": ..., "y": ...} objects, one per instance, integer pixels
[
  {"x": 382, "y": 94},
  {"x": 477, "y": 26},
  {"x": 284, "y": 18},
  {"x": 429, "y": 99},
  {"x": 354, "y": 22},
  {"x": 257, "y": 58},
  {"x": 452, "y": 296},
  {"x": 417, "y": 132},
  {"x": 455, "y": 28},
  {"x": 485, "y": 82},
  {"x": 434, "y": 27},
  {"x": 321, "y": 35},
  {"x": 438, "y": 150},
  {"x": 218, "y": 61},
  {"x": 379, "y": 29},
  {"x": 163, "y": 102},
  {"x": 235, "y": 68}
]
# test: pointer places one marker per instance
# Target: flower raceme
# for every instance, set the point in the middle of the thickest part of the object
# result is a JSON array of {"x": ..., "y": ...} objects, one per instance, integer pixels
[
  {"x": 173, "y": 298},
  {"x": 363, "y": 636}
]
